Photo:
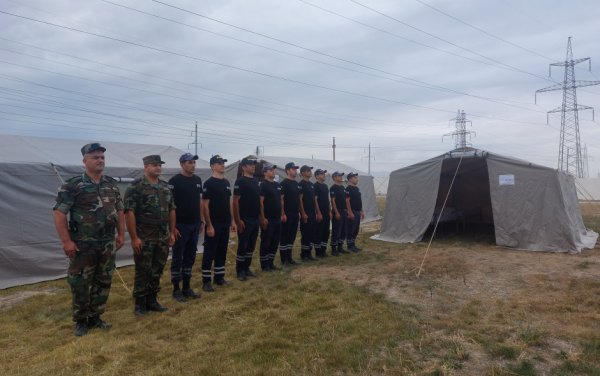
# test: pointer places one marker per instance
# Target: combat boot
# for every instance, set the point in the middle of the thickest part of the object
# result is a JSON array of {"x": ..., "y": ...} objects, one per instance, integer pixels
[
  {"x": 208, "y": 287},
  {"x": 153, "y": 305},
  {"x": 81, "y": 328},
  {"x": 140, "y": 306},
  {"x": 98, "y": 323},
  {"x": 334, "y": 250}
]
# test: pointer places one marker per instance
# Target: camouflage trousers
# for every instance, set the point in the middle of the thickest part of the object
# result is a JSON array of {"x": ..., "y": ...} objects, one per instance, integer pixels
[
  {"x": 149, "y": 266},
  {"x": 90, "y": 276}
]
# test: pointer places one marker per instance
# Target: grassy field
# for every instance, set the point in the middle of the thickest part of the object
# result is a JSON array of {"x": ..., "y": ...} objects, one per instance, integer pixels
[{"x": 476, "y": 309}]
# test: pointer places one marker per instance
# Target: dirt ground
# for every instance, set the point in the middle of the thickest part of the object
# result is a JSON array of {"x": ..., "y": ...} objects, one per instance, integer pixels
[{"x": 480, "y": 296}]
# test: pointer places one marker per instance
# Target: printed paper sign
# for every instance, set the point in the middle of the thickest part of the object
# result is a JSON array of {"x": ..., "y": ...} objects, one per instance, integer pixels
[{"x": 506, "y": 179}]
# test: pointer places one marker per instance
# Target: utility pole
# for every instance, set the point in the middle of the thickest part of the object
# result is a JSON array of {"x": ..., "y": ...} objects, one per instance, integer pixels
[
  {"x": 460, "y": 134},
  {"x": 195, "y": 143},
  {"x": 586, "y": 166},
  {"x": 569, "y": 148},
  {"x": 369, "y": 170},
  {"x": 333, "y": 146}
]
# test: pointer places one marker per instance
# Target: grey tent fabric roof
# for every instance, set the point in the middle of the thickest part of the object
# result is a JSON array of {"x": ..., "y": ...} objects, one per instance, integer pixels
[
  {"x": 30, "y": 250},
  {"x": 532, "y": 207},
  {"x": 365, "y": 181}
]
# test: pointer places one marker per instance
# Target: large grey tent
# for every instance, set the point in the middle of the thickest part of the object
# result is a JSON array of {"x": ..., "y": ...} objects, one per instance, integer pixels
[
  {"x": 365, "y": 181},
  {"x": 531, "y": 207},
  {"x": 30, "y": 250}
]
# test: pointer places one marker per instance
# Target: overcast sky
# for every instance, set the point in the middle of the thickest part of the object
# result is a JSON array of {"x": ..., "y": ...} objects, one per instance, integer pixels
[{"x": 288, "y": 76}]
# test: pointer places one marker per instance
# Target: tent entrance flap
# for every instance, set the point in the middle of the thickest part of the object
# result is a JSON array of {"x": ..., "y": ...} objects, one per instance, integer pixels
[{"x": 469, "y": 205}]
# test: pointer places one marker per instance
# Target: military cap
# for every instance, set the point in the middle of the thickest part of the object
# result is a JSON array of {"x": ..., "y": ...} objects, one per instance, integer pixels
[
  {"x": 149, "y": 159},
  {"x": 320, "y": 172},
  {"x": 290, "y": 166},
  {"x": 187, "y": 157},
  {"x": 217, "y": 159},
  {"x": 88, "y": 148},
  {"x": 351, "y": 175},
  {"x": 337, "y": 173}
]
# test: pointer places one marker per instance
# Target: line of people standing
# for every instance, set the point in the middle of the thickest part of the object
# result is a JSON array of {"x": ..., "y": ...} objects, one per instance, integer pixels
[{"x": 159, "y": 215}]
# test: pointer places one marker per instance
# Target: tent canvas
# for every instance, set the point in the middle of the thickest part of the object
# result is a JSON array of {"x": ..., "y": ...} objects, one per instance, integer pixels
[
  {"x": 531, "y": 207},
  {"x": 365, "y": 181},
  {"x": 30, "y": 250},
  {"x": 588, "y": 189}
]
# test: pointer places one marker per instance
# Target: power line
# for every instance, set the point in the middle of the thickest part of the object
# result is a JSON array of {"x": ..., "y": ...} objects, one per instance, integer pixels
[
  {"x": 482, "y": 30},
  {"x": 312, "y": 110},
  {"x": 268, "y": 75},
  {"x": 449, "y": 42}
]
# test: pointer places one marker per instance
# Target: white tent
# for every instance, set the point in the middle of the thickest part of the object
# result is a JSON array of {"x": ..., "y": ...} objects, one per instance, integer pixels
[
  {"x": 588, "y": 189},
  {"x": 31, "y": 169},
  {"x": 531, "y": 207},
  {"x": 365, "y": 181}
]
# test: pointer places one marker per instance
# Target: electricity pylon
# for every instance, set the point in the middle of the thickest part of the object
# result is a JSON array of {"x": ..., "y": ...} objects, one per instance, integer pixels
[{"x": 570, "y": 159}]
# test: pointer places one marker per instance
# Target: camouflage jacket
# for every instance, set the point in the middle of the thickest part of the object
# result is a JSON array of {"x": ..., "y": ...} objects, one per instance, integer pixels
[
  {"x": 92, "y": 208},
  {"x": 151, "y": 204}
]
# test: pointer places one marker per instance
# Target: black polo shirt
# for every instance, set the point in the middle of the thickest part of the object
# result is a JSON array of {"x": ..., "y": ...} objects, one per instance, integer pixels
[
  {"x": 338, "y": 193},
  {"x": 218, "y": 192},
  {"x": 249, "y": 192},
  {"x": 271, "y": 192},
  {"x": 291, "y": 196},
  {"x": 322, "y": 193},
  {"x": 186, "y": 192},
  {"x": 307, "y": 189},
  {"x": 355, "y": 199}
]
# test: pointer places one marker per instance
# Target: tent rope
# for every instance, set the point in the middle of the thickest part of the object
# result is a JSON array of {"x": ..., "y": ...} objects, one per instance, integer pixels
[
  {"x": 62, "y": 181},
  {"x": 439, "y": 216}
]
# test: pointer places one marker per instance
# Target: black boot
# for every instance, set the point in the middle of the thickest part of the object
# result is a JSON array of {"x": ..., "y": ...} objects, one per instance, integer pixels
[
  {"x": 97, "y": 322},
  {"x": 153, "y": 305},
  {"x": 81, "y": 328},
  {"x": 334, "y": 250},
  {"x": 140, "y": 306}
]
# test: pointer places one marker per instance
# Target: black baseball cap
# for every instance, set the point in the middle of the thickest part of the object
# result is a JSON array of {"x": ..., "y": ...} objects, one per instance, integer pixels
[
  {"x": 151, "y": 159},
  {"x": 337, "y": 173},
  {"x": 351, "y": 175},
  {"x": 290, "y": 166},
  {"x": 88, "y": 148},
  {"x": 305, "y": 168},
  {"x": 268, "y": 166},
  {"x": 217, "y": 159},
  {"x": 248, "y": 161},
  {"x": 187, "y": 157},
  {"x": 320, "y": 172}
]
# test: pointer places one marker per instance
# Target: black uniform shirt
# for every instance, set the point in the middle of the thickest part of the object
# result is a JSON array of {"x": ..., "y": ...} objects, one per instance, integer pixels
[
  {"x": 291, "y": 196},
  {"x": 249, "y": 192},
  {"x": 322, "y": 193},
  {"x": 271, "y": 191},
  {"x": 218, "y": 192},
  {"x": 338, "y": 193},
  {"x": 355, "y": 199},
  {"x": 186, "y": 192},
  {"x": 307, "y": 188}
]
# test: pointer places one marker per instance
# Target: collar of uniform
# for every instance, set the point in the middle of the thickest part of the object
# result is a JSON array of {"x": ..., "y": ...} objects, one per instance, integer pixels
[{"x": 86, "y": 178}]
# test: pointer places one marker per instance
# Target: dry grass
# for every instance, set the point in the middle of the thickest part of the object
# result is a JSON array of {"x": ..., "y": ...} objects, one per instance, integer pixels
[{"x": 476, "y": 309}]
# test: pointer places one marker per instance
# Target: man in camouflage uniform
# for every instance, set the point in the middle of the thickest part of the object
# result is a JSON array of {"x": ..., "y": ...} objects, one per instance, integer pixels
[
  {"x": 150, "y": 217},
  {"x": 95, "y": 209}
]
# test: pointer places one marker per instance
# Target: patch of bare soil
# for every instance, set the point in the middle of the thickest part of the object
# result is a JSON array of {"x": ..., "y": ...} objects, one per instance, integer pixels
[
  {"x": 466, "y": 292},
  {"x": 9, "y": 301}
]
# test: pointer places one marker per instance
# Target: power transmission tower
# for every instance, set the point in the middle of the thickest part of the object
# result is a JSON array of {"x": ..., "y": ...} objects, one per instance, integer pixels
[
  {"x": 569, "y": 148},
  {"x": 460, "y": 134}
]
